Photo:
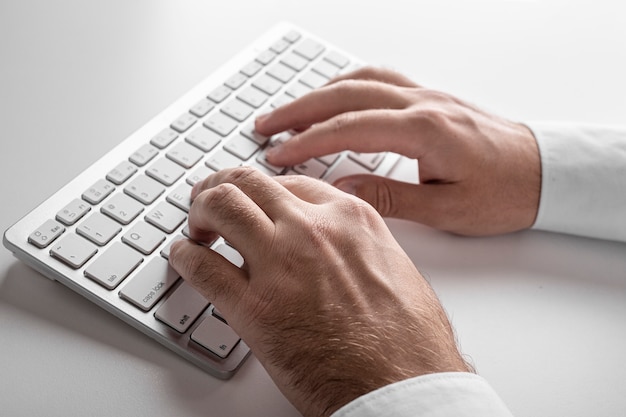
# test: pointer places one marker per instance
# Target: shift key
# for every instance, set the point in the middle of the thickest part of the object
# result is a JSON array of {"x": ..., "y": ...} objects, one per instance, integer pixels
[{"x": 150, "y": 284}]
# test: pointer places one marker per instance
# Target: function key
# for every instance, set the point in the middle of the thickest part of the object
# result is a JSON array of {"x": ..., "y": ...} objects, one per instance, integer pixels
[
  {"x": 164, "y": 138},
  {"x": 219, "y": 93},
  {"x": 201, "y": 108},
  {"x": 98, "y": 192},
  {"x": 184, "y": 122},
  {"x": 266, "y": 57},
  {"x": 292, "y": 36},
  {"x": 46, "y": 234},
  {"x": 251, "y": 68},
  {"x": 122, "y": 172},
  {"x": 309, "y": 49},
  {"x": 236, "y": 81},
  {"x": 71, "y": 213},
  {"x": 279, "y": 46},
  {"x": 216, "y": 336},
  {"x": 143, "y": 155}
]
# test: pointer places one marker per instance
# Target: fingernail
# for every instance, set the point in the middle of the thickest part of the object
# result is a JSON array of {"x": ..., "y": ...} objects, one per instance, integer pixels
[
  {"x": 263, "y": 117},
  {"x": 274, "y": 152}
]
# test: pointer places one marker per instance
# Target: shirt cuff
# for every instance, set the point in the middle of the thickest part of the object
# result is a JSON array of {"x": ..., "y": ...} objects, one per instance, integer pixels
[
  {"x": 449, "y": 394},
  {"x": 583, "y": 184}
]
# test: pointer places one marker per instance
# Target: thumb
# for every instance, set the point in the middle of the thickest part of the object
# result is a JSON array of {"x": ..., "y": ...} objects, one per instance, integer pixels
[{"x": 423, "y": 203}]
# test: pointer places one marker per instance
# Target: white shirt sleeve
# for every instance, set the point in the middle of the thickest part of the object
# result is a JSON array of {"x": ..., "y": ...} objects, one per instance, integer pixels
[
  {"x": 583, "y": 184},
  {"x": 448, "y": 394}
]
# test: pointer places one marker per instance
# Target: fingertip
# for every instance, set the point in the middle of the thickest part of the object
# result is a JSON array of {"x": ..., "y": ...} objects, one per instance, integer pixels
[{"x": 261, "y": 122}]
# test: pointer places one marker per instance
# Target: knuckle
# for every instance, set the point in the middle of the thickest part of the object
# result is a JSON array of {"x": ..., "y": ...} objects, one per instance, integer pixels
[{"x": 341, "y": 123}]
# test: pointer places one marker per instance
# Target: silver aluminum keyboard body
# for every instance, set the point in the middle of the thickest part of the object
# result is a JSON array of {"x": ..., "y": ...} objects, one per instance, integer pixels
[{"x": 132, "y": 203}]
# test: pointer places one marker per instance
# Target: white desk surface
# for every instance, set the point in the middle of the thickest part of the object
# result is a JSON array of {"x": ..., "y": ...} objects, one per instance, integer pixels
[{"x": 542, "y": 315}]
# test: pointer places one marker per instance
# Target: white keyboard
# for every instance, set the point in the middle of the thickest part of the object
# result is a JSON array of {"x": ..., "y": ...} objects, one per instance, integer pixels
[{"x": 107, "y": 233}]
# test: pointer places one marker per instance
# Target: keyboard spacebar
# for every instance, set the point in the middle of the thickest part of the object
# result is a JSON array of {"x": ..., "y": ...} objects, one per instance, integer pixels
[{"x": 150, "y": 284}]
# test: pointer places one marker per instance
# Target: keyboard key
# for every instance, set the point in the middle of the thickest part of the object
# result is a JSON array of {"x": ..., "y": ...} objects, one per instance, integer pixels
[
  {"x": 368, "y": 160},
  {"x": 266, "y": 57},
  {"x": 98, "y": 228},
  {"x": 114, "y": 265},
  {"x": 143, "y": 155},
  {"x": 236, "y": 81},
  {"x": 251, "y": 68},
  {"x": 309, "y": 49},
  {"x": 150, "y": 284},
  {"x": 165, "y": 252},
  {"x": 203, "y": 138},
  {"x": 346, "y": 167},
  {"x": 216, "y": 336},
  {"x": 326, "y": 69},
  {"x": 202, "y": 108},
  {"x": 222, "y": 160},
  {"x": 267, "y": 84},
  {"x": 185, "y": 155},
  {"x": 122, "y": 172},
  {"x": 237, "y": 109},
  {"x": 231, "y": 254},
  {"x": 45, "y": 234},
  {"x": 143, "y": 237},
  {"x": 241, "y": 146},
  {"x": 261, "y": 158},
  {"x": 73, "y": 250},
  {"x": 98, "y": 192},
  {"x": 292, "y": 36},
  {"x": 282, "y": 100},
  {"x": 313, "y": 80},
  {"x": 249, "y": 132},
  {"x": 281, "y": 72},
  {"x": 182, "y": 308},
  {"x": 328, "y": 159},
  {"x": 164, "y": 138},
  {"x": 279, "y": 46},
  {"x": 144, "y": 189},
  {"x": 337, "y": 59},
  {"x": 312, "y": 168},
  {"x": 199, "y": 174},
  {"x": 74, "y": 211},
  {"x": 294, "y": 61},
  {"x": 181, "y": 197},
  {"x": 184, "y": 122},
  {"x": 221, "y": 124},
  {"x": 219, "y": 93},
  {"x": 297, "y": 90},
  {"x": 166, "y": 217},
  {"x": 165, "y": 171},
  {"x": 253, "y": 96},
  {"x": 122, "y": 208}
]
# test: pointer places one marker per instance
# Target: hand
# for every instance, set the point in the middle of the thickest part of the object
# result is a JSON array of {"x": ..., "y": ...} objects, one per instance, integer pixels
[
  {"x": 479, "y": 174},
  {"x": 327, "y": 300}
]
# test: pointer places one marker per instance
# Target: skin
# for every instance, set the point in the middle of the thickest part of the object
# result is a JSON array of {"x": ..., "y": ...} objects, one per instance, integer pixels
[
  {"x": 327, "y": 300},
  {"x": 480, "y": 174}
]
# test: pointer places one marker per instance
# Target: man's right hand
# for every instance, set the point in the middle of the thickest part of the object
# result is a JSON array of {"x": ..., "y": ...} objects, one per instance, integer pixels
[{"x": 479, "y": 174}]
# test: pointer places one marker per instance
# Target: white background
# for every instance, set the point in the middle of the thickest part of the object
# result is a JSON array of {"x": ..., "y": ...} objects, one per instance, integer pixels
[{"x": 541, "y": 315}]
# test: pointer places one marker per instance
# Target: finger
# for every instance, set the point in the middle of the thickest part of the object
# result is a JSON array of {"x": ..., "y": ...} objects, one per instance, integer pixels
[
  {"x": 267, "y": 194},
  {"x": 228, "y": 211},
  {"x": 326, "y": 102},
  {"x": 212, "y": 275},
  {"x": 429, "y": 204},
  {"x": 364, "y": 131},
  {"x": 309, "y": 189},
  {"x": 378, "y": 74}
]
